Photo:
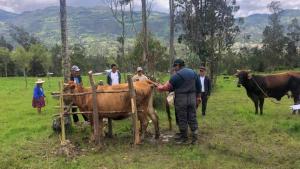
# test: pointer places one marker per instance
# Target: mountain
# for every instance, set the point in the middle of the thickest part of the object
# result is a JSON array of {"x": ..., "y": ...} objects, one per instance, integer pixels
[
  {"x": 97, "y": 24},
  {"x": 84, "y": 24}
]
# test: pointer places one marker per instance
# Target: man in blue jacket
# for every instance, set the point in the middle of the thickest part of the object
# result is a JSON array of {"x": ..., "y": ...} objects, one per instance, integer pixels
[{"x": 186, "y": 85}]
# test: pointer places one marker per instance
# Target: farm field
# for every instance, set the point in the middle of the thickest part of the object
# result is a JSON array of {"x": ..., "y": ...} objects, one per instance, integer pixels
[{"x": 231, "y": 135}]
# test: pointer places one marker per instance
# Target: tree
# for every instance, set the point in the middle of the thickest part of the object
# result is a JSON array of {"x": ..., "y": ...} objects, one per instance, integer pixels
[
  {"x": 273, "y": 37},
  {"x": 117, "y": 8},
  {"x": 4, "y": 58},
  {"x": 292, "y": 56},
  {"x": 172, "y": 30},
  {"x": 22, "y": 37},
  {"x": 78, "y": 57},
  {"x": 145, "y": 36},
  {"x": 56, "y": 61},
  {"x": 160, "y": 60},
  {"x": 65, "y": 57},
  {"x": 208, "y": 28},
  {"x": 40, "y": 61},
  {"x": 5, "y": 44},
  {"x": 22, "y": 59}
]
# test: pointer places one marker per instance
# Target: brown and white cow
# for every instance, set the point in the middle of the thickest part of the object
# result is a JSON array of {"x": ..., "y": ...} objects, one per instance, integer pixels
[
  {"x": 117, "y": 105},
  {"x": 276, "y": 86}
]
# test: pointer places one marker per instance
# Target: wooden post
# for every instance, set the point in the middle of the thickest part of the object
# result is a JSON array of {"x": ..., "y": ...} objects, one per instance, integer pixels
[
  {"x": 136, "y": 138},
  {"x": 95, "y": 110},
  {"x": 62, "y": 119}
]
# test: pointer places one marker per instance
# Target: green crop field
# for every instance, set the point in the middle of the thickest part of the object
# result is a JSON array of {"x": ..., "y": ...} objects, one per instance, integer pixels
[{"x": 231, "y": 135}]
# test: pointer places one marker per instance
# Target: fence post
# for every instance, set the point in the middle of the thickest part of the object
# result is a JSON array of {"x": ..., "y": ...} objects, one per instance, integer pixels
[
  {"x": 62, "y": 119},
  {"x": 95, "y": 109},
  {"x": 136, "y": 138}
]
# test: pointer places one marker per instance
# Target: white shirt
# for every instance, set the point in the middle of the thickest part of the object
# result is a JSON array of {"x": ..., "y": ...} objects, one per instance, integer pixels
[
  {"x": 114, "y": 78},
  {"x": 202, "y": 83}
]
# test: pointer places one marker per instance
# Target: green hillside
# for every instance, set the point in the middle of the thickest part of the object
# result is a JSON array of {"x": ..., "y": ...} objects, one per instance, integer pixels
[{"x": 97, "y": 24}]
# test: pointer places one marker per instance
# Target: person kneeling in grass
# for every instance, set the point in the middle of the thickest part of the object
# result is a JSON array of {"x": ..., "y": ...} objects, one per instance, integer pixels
[{"x": 38, "y": 100}]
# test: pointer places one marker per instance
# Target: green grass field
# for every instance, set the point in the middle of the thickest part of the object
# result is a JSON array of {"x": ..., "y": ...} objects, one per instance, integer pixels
[{"x": 231, "y": 135}]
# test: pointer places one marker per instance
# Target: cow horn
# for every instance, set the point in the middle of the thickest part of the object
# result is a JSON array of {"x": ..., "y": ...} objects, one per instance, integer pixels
[
  {"x": 66, "y": 84},
  {"x": 237, "y": 70},
  {"x": 249, "y": 70}
]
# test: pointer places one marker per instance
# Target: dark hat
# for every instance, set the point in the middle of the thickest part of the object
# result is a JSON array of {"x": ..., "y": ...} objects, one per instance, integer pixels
[
  {"x": 179, "y": 62},
  {"x": 202, "y": 68}
]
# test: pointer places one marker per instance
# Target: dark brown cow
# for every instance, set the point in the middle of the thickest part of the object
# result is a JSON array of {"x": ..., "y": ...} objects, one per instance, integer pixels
[
  {"x": 276, "y": 86},
  {"x": 117, "y": 105}
]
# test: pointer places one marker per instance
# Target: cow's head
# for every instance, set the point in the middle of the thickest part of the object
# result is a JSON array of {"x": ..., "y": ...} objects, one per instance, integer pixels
[
  {"x": 69, "y": 89},
  {"x": 243, "y": 76}
]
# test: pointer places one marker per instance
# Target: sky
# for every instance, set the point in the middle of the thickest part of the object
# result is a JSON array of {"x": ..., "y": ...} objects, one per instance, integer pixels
[{"x": 247, "y": 7}]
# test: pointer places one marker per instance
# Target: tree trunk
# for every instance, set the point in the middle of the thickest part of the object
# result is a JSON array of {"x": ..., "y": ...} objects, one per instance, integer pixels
[
  {"x": 145, "y": 35},
  {"x": 65, "y": 56},
  {"x": 25, "y": 77},
  {"x": 171, "y": 50},
  {"x": 5, "y": 69}
]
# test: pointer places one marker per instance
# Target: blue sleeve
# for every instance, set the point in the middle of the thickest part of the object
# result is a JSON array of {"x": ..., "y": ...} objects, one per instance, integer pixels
[{"x": 175, "y": 81}]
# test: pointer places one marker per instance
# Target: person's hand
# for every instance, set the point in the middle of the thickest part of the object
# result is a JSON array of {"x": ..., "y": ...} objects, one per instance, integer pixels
[{"x": 198, "y": 101}]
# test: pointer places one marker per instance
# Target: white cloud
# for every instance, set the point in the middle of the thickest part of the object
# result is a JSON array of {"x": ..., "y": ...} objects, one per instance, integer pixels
[{"x": 247, "y": 7}]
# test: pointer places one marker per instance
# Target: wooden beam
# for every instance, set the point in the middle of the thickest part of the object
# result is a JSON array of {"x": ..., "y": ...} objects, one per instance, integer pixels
[
  {"x": 95, "y": 110},
  {"x": 136, "y": 138},
  {"x": 62, "y": 120}
]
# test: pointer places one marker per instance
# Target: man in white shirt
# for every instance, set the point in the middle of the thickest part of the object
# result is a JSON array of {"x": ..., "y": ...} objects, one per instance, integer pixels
[
  {"x": 205, "y": 88},
  {"x": 114, "y": 76}
]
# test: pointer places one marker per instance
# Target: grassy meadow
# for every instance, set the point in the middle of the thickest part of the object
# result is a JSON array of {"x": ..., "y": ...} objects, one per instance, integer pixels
[{"x": 231, "y": 135}]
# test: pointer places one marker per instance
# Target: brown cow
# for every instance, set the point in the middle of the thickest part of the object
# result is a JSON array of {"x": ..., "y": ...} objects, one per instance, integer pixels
[
  {"x": 117, "y": 105},
  {"x": 276, "y": 86}
]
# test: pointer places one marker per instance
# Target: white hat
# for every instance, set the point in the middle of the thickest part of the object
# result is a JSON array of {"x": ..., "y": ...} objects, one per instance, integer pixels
[
  {"x": 75, "y": 68},
  {"x": 39, "y": 81},
  {"x": 139, "y": 69}
]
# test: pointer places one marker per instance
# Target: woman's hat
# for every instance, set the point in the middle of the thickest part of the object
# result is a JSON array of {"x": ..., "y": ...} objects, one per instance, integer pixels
[{"x": 39, "y": 81}]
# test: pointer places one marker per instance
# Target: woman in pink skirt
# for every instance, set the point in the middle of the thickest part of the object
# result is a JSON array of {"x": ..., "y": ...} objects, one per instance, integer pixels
[{"x": 38, "y": 100}]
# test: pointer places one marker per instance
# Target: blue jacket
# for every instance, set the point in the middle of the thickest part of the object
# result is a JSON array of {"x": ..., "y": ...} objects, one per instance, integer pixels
[{"x": 38, "y": 92}]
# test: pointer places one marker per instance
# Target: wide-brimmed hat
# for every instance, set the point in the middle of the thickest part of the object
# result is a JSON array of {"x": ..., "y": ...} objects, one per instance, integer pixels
[
  {"x": 75, "y": 68},
  {"x": 139, "y": 69},
  {"x": 39, "y": 81}
]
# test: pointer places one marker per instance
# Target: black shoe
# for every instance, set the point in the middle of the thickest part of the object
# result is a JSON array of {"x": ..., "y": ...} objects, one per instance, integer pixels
[
  {"x": 194, "y": 137},
  {"x": 177, "y": 135},
  {"x": 181, "y": 140}
]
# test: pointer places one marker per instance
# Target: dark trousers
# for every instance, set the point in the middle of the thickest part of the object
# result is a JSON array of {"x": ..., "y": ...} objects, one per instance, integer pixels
[
  {"x": 185, "y": 108},
  {"x": 75, "y": 116},
  {"x": 204, "y": 99}
]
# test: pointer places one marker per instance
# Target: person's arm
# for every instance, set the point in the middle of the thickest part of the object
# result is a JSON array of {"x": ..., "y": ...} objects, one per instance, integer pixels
[
  {"x": 108, "y": 80},
  {"x": 119, "y": 77},
  {"x": 165, "y": 87},
  {"x": 198, "y": 90},
  {"x": 35, "y": 93}
]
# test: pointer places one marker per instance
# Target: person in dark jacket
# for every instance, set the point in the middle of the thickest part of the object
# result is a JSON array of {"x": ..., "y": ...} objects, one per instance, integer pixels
[
  {"x": 76, "y": 77},
  {"x": 114, "y": 76},
  {"x": 205, "y": 88},
  {"x": 186, "y": 85}
]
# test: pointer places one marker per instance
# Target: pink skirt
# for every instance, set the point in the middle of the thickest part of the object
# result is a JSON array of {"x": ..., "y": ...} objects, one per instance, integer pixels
[{"x": 38, "y": 103}]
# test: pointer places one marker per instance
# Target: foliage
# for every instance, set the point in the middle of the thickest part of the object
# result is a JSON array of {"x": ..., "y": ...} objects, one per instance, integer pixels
[
  {"x": 158, "y": 53},
  {"x": 208, "y": 29},
  {"x": 22, "y": 37},
  {"x": 4, "y": 59}
]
